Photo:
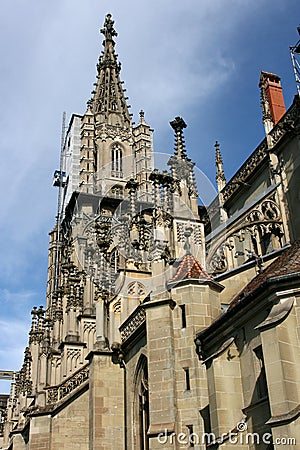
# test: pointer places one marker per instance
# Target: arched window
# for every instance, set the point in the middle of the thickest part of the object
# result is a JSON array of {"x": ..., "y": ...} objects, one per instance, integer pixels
[
  {"x": 142, "y": 404},
  {"x": 116, "y": 161}
]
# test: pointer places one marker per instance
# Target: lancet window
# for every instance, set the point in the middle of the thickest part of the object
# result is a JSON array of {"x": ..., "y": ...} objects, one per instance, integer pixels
[{"x": 116, "y": 161}]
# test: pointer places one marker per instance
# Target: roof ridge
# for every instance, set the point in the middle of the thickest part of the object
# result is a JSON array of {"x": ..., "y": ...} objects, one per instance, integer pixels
[{"x": 287, "y": 261}]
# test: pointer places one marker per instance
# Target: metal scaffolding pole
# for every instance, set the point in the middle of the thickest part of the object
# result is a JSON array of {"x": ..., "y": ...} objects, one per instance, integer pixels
[{"x": 295, "y": 55}]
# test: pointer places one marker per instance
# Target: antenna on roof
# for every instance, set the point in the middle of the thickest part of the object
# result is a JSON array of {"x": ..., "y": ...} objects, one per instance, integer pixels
[{"x": 60, "y": 182}]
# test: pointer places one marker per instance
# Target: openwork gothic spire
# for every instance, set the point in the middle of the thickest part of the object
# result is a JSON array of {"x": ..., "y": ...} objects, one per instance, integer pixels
[
  {"x": 178, "y": 124},
  {"x": 109, "y": 102},
  {"x": 182, "y": 168},
  {"x": 220, "y": 176}
]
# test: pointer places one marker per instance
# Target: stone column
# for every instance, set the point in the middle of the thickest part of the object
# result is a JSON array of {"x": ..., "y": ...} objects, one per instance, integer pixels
[
  {"x": 18, "y": 442},
  {"x": 106, "y": 394},
  {"x": 282, "y": 361},
  {"x": 161, "y": 369},
  {"x": 100, "y": 323},
  {"x": 40, "y": 433},
  {"x": 225, "y": 395}
]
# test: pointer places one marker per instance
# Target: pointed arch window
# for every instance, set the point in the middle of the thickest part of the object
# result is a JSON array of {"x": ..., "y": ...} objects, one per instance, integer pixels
[
  {"x": 142, "y": 405},
  {"x": 116, "y": 161}
]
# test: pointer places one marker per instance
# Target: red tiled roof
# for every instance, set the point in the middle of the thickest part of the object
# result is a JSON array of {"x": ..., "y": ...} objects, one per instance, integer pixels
[
  {"x": 188, "y": 269},
  {"x": 287, "y": 263}
]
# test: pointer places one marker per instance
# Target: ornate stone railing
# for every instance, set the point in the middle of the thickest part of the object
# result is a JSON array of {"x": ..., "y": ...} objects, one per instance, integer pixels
[
  {"x": 260, "y": 221},
  {"x": 56, "y": 393},
  {"x": 134, "y": 321},
  {"x": 288, "y": 122}
]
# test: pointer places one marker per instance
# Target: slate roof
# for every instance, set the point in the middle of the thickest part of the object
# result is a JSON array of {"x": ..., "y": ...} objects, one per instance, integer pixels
[{"x": 286, "y": 264}]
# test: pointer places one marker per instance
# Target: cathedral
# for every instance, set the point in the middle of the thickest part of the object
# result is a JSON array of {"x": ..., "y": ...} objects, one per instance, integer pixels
[{"x": 167, "y": 324}]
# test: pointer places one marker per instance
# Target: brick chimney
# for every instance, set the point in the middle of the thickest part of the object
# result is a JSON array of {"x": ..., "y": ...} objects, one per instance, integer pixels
[{"x": 272, "y": 101}]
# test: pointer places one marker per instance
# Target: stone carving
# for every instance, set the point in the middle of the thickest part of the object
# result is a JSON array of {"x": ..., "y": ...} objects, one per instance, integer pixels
[
  {"x": 196, "y": 237},
  {"x": 73, "y": 353},
  {"x": 102, "y": 228},
  {"x": 218, "y": 261},
  {"x": 247, "y": 168},
  {"x": 57, "y": 393},
  {"x": 145, "y": 232},
  {"x": 73, "y": 285},
  {"x": 163, "y": 185},
  {"x": 182, "y": 169},
  {"x": 108, "y": 28},
  {"x": 112, "y": 132},
  {"x": 262, "y": 228},
  {"x": 133, "y": 323},
  {"x": 23, "y": 378},
  {"x": 136, "y": 289},
  {"x": 161, "y": 218},
  {"x": 89, "y": 326},
  {"x": 270, "y": 210},
  {"x": 37, "y": 325},
  {"x": 117, "y": 307},
  {"x": 178, "y": 125},
  {"x": 290, "y": 121},
  {"x": 159, "y": 250},
  {"x": 180, "y": 232},
  {"x": 56, "y": 306},
  {"x": 71, "y": 278}
]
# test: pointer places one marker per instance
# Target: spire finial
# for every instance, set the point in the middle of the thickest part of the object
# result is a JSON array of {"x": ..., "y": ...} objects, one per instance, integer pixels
[
  {"x": 219, "y": 160},
  {"x": 178, "y": 124},
  {"x": 108, "y": 29},
  {"x": 187, "y": 234},
  {"x": 142, "y": 116},
  {"x": 109, "y": 101}
]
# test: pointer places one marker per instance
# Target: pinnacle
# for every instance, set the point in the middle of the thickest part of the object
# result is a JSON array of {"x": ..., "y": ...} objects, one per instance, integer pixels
[
  {"x": 108, "y": 30},
  {"x": 108, "y": 99},
  {"x": 178, "y": 124}
]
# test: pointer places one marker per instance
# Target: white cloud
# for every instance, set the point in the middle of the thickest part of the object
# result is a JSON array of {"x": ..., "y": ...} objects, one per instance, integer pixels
[
  {"x": 18, "y": 298},
  {"x": 14, "y": 338}
]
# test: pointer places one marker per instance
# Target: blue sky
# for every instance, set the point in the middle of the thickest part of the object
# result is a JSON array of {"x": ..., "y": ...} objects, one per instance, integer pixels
[{"x": 199, "y": 59}]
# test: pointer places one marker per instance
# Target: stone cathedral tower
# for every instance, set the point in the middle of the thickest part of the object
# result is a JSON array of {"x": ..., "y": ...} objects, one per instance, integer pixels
[
  {"x": 112, "y": 149},
  {"x": 121, "y": 225},
  {"x": 164, "y": 319}
]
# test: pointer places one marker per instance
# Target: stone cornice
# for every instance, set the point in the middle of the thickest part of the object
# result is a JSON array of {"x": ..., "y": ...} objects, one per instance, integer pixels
[
  {"x": 284, "y": 418},
  {"x": 155, "y": 429},
  {"x": 250, "y": 304},
  {"x": 93, "y": 353},
  {"x": 160, "y": 302}
]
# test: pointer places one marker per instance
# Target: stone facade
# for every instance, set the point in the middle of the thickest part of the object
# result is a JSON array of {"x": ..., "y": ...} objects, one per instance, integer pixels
[{"x": 166, "y": 325}]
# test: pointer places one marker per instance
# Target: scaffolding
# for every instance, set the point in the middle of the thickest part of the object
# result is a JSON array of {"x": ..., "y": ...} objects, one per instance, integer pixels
[
  {"x": 295, "y": 55},
  {"x": 60, "y": 182},
  {"x": 7, "y": 374}
]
